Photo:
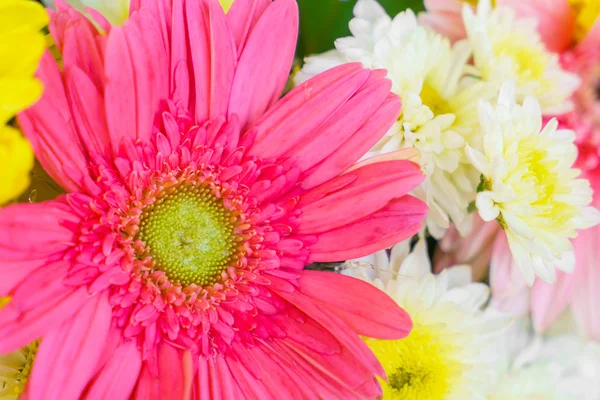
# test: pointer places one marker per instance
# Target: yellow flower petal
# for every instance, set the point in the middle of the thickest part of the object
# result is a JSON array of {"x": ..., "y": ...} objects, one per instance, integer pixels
[
  {"x": 16, "y": 95},
  {"x": 21, "y": 16},
  {"x": 16, "y": 160}
]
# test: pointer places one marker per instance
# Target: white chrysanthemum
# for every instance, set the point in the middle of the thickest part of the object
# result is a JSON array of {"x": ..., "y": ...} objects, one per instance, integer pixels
[
  {"x": 14, "y": 371},
  {"x": 439, "y": 102},
  {"x": 530, "y": 186},
  {"x": 507, "y": 48},
  {"x": 534, "y": 368},
  {"x": 444, "y": 357}
]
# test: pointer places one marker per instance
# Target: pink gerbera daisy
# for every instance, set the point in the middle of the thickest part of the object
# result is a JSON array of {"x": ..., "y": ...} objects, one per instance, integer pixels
[{"x": 173, "y": 268}]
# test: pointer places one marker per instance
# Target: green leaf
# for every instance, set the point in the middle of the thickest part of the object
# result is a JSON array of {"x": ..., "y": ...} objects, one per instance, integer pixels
[{"x": 323, "y": 21}]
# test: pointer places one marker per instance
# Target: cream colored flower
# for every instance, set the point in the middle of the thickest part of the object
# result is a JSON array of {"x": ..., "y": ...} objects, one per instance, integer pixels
[
  {"x": 439, "y": 102},
  {"x": 446, "y": 356},
  {"x": 530, "y": 186},
  {"x": 507, "y": 48}
]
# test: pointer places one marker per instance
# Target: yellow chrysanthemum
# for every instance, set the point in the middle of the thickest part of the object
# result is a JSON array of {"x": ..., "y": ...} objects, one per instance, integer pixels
[
  {"x": 587, "y": 12},
  {"x": 21, "y": 47},
  {"x": 15, "y": 369}
]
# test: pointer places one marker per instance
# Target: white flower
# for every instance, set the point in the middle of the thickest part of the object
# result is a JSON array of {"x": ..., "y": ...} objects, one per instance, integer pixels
[
  {"x": 445, "y": 357},
  {"x": 534, "y": 368},
  {"x": 530, "y": 186},
  {"x": 439, "y": 102},
  {"x": 505, "y": 47}
]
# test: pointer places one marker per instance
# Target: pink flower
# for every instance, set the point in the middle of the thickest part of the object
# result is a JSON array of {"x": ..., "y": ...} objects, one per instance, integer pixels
[
  {"x": 173, "y": 268},
  {"x": 475, "y": 249},
  {"x": 580, "y": 290},
  {"x": 445, "y": 17}
]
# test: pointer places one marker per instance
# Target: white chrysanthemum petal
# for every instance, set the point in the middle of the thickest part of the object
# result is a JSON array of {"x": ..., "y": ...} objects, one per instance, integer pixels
[
  {"x": 486, "y": 205},
  {"x": 530, "y": 185}
]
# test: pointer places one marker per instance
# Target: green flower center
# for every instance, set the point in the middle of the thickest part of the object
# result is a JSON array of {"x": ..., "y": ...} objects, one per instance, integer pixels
[{"x": 190, "y": 235}]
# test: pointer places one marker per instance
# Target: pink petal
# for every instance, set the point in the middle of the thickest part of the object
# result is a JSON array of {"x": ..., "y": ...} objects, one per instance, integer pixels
[
  {"x": 119, "y": 376},
  {"x": 34, "y": 231},
  {"x": 134, "y": 73},
  {"x": 367, "y": 310},
  {"x": 549, "y": 301},
  {"x": 265, "y": 63},
  {"x": 215, "y": 381},
  {"x": 444, "y": 16},
  {"x": 398, "y": 221},
  {"x": 510, "y": 293},
  {"x": 586, "y": 294},
  {"x": 88, "y": 112},
  {"x": 242, "y": 18},
  {"x": 305, "y": 108},
  {"x": 168, "y": 385},
  {"x": 213, "y": 58},
  {"x": 19, "y": 329},
  {"x": 355, "y": 147},
  {"x": 67, "y": 356},
  {"x": 49, "y": 128},
  {"x": 348, "y": 121},
  {"x": 373, "y": 187}
]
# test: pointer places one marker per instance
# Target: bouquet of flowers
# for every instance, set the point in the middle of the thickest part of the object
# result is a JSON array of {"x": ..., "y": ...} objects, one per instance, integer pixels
[{"x": 275, "y": 199}]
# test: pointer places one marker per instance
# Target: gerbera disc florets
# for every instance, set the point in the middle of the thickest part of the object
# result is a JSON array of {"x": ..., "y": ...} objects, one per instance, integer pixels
[{"x": 189, "y": 234}]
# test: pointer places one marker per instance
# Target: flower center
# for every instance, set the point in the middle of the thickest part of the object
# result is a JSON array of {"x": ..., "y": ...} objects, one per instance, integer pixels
[
  {"x": 15, "y": 369},
  {"x": 432, "y": 99},
  {"x": 189, "y": 234},
  {"x": 542, "y": 182},
  {"x": 419, "y": 366}
]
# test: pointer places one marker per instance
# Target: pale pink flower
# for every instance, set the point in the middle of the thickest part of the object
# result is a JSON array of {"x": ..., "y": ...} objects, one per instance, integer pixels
[
  {"x": 173, "y": 268},
  {"x": 475, "y": 249},
  {"x": 445, "y": 17}
]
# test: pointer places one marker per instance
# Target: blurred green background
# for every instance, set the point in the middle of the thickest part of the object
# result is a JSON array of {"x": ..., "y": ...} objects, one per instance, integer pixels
[{"x": 323, "y": 21}]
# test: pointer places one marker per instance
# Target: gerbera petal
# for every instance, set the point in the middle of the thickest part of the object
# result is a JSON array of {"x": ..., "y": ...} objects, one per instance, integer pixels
[
  {"x": 265, "y": 62},
  {"x": 395, "y": 222},
  {"x": 169, "y": 379},
  {"x": 306, "y": 108},
  {"x": 48, "y": 127},
  {"x": 67, "y": 356},
  {"x": 348, "y": 120},
  {"x": 118, "y": 377},
  {"x": 242, "y": 18},
  {"x": 133, "y": 77},
  {"x": 29, "y": 235},
  {"x": 213, "y": 57},
  {"x": 371, "y": 188},
  {"x": 215, "y": 381},
  {"x": 19, "y": 329},
  {"x": 373, "y": 315},
  {"x": 355, "y": 146},
  {"x": 549, "y": 301}
]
